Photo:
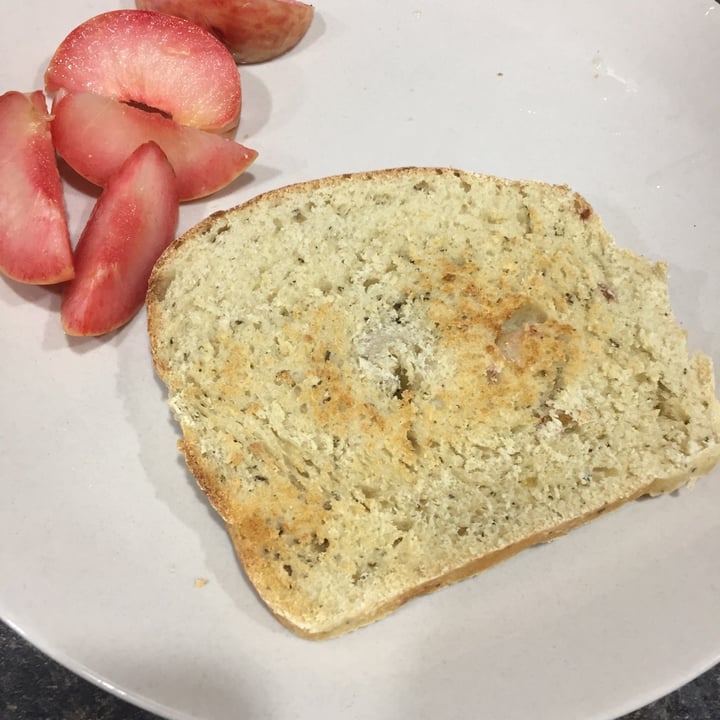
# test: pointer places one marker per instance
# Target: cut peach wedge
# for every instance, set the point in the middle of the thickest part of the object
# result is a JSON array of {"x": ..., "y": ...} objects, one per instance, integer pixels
[
  {"x": 34, "y": 239},
  {"x": 152, "y": 60},
  {"x": 133, "y": 221},
  {"x": 253, "y": 30},
  {"x": 95, "y": 135}
]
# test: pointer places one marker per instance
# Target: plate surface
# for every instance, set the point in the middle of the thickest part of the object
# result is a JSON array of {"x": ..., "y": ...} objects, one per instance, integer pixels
[{"x": 103, "y": 533}]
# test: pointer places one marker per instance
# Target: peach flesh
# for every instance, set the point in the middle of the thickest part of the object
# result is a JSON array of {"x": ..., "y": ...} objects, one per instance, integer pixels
[{"x": 153, "y": 59}]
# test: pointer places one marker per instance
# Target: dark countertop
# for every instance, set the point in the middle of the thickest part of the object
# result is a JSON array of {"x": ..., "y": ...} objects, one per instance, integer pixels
[{"x": 34, "y": 687}]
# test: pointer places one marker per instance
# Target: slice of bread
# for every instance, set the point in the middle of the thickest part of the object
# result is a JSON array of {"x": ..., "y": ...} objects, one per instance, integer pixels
[{"x": 389, "y": 381}]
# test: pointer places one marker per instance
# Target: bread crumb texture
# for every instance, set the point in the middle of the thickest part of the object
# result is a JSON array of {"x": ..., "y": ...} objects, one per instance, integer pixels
[{"x": 388, "y": 381}]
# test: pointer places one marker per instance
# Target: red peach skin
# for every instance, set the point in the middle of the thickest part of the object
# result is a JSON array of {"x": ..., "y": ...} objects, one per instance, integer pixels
[
  {"x": 34, "y": 239},
  {"x": 133, "y": 221},
  {"x": 253, "y": 30},
  {"x": 154, "y": 60},
  {"x": 96, "y": 134}
]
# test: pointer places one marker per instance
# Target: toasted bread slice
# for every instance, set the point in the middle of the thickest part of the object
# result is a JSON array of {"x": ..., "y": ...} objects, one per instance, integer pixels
[{"x": 389, "y": 381}]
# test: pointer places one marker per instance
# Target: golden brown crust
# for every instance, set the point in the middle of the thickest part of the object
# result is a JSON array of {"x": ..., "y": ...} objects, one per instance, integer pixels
[{"x": 454, "y": 575}]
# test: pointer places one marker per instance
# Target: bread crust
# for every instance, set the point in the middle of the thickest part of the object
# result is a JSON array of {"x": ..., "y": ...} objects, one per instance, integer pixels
[{"x": 533, "y": 334}]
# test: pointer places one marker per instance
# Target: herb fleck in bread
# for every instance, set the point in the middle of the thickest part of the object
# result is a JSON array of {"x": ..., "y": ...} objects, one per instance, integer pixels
[{"x": 387, "y": 382}]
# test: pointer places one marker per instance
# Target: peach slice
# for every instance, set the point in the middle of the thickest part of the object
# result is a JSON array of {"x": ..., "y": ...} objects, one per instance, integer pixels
[
  {"x": 153, "y": 60},
  {"x": 253, "y": 30},
  {"x": 96, "y": 134},
  {"x": 34, "y": 239},
  {"x": 133, "y": 221}
]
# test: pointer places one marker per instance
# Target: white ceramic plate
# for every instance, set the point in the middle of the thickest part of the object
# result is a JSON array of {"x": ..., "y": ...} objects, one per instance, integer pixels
[{"x": 102, "y": 531}]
